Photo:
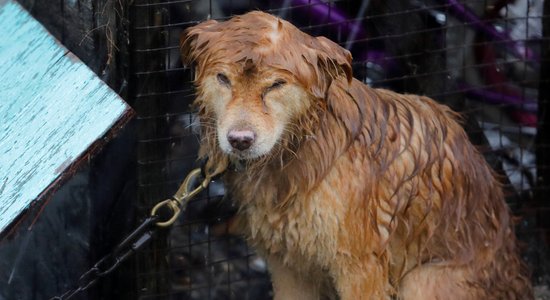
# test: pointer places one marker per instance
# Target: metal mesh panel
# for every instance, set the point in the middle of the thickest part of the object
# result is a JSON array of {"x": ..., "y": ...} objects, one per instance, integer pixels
[{"x": 483, "y": 58}]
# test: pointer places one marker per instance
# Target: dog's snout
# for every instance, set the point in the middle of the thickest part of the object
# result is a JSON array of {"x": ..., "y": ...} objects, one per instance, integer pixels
[{"x": 241, "y": 139}]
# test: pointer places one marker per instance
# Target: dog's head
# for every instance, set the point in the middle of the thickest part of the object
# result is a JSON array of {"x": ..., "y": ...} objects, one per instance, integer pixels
[{"x": 256, "y": 75}]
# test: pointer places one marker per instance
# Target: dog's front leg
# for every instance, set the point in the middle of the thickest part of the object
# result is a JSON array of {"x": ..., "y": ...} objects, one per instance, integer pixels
[
  {"x": 291, "y": 285},
  {"x": 361, "y": 279}
]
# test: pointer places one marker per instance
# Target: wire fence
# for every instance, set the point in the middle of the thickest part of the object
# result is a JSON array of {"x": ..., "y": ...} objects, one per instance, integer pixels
[{"x": 483, "y": 58}]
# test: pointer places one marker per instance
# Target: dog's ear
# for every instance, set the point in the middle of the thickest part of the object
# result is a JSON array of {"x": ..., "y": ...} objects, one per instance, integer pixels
[
  {"x": 337, "y": 59},
  {"x": 333, "y": 61},
  {"x": 194, "y": 42}
]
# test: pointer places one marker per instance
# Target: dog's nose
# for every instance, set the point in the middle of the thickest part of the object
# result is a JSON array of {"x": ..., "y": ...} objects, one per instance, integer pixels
[{"x": 241, "y": 139}]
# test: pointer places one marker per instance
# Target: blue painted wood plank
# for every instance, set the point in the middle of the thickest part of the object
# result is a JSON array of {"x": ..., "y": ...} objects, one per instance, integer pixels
[{"x": 52, "y": 108}]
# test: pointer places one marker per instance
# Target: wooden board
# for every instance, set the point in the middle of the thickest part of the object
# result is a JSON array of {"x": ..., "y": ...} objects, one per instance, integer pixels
[{"x": 53, "y": 108}]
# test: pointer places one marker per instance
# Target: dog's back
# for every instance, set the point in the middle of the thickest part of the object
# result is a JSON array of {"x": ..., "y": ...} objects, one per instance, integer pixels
[{"x": 445, "y": 222}]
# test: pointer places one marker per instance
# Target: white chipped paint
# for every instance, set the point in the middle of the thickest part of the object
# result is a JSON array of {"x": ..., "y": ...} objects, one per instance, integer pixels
[{"x": 52, "y": 108}]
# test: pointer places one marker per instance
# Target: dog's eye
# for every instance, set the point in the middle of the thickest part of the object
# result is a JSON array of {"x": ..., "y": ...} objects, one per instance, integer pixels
[
  {"x": 223, "y": 79},
  {"x": 277, "y": 84}
]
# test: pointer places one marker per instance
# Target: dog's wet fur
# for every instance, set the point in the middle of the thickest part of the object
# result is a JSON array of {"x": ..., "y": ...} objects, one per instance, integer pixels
[{"x": 349, "y": 192}]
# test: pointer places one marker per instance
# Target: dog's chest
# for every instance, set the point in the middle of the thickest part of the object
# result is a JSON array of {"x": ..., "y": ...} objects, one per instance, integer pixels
[{"x": 303, "y": 234}]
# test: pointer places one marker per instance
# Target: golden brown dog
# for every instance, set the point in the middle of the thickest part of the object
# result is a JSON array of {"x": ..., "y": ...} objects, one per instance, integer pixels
[{"x": 349, "y": 192}]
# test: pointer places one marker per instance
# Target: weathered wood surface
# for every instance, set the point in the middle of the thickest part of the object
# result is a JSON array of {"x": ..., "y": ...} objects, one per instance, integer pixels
[{"x": 52, "y": 109}]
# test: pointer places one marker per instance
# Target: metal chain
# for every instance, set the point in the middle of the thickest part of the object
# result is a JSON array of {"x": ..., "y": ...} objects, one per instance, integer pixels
[{"x": 160, "y": 218}]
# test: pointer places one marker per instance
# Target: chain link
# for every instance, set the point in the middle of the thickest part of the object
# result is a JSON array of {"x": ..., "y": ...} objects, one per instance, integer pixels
[{"x": 160, "y": 218}]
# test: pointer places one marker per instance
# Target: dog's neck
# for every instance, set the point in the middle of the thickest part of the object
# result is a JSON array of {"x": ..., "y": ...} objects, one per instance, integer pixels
[
  {"x": 279, "y": 180},
  {"x": 237, "y": 165}
]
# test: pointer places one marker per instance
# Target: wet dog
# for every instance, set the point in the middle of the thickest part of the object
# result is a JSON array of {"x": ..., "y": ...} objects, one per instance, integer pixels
[{"x": 349, "y": 192}]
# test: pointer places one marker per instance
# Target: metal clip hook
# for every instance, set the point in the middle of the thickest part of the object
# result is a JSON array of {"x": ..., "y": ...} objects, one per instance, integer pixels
[{"x": 181, "y": 197}]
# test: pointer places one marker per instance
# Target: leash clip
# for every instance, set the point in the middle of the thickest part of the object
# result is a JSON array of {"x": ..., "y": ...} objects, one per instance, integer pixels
[{"x": 179, "y": 201}]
